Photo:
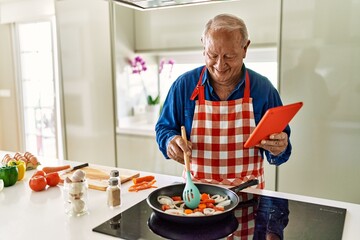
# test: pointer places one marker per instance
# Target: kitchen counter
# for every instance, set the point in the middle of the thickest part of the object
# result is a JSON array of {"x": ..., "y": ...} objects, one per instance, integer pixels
[
  {"x": 136, "y": 125},
  {"x": 25, "y": 214}
]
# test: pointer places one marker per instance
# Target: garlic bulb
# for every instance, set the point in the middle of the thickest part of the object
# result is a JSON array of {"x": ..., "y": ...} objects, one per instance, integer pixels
[
  {"x": 78, "y": 176},
  {"x": 78, "y": 205}
]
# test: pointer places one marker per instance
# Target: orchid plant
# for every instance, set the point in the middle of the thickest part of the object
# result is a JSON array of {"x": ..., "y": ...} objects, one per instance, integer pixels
[{"x": 138, "y": 65}]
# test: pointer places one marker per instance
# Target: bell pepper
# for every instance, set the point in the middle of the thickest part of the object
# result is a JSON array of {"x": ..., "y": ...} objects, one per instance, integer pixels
[
  {"x": 9, "y": 175},
  {"x": 21, "y": 166}
]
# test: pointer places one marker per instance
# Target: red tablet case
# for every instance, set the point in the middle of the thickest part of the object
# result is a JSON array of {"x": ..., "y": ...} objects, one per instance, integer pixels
[{"x": 275, "y": 120}]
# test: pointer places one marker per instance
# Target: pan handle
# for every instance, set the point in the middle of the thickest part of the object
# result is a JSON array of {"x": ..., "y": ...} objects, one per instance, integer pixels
[{"x": 245, "y": 185}]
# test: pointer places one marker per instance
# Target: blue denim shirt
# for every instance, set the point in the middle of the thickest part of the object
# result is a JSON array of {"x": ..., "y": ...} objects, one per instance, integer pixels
[{"x": 178, "y": 109}]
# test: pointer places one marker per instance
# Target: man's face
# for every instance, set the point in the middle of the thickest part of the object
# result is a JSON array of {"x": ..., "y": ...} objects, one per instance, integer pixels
[{"x": 224, "y": 54}]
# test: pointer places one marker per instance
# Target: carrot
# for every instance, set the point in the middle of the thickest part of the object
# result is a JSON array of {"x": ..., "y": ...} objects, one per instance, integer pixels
[
  {"x": 143, "y": 179},
  {"x": 202, "y": 206},
  {"x": 142, "y": 186},
  {"x": 55, "y": 169},
  {"x": 165, "y": 207},
  {"x": 188, "y": 211},
  {"x": 208, "y": 201},
  {"x": 204, "y": 196}
]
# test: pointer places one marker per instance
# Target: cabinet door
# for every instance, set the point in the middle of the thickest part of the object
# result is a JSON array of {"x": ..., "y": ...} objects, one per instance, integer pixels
[
  {"x": 320, "y": 66},
  {"x": 85, "y": 54},
  {"x": 171, "y": 28},
  {"x": 142, "y": 153}
]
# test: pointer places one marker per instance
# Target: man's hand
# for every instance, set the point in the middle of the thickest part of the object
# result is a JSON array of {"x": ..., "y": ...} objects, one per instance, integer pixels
[
  {"x": 177, "y": 147},
  {"x": 276, "y": 143}
]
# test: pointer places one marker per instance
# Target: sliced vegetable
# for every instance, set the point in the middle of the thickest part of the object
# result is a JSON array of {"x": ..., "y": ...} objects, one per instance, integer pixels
[
  {"x": 143, "y": 179},
  {"x": 206, "y": 207},
  {"x": 142, "y": 186},
  {"x": 177, "y": 198},
  {"x": 204, "y": 196},
  {"x": 165, "y": 207},
  {"x": 188, "y": 211},
  {"x": 202, "y": 206},
  {"x": 209, "y": 200}
]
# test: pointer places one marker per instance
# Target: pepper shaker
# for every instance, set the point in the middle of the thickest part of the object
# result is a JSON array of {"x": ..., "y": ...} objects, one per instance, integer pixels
[
  {"x": 116, "y": 174},
  {"x": 113, "y": 193}
]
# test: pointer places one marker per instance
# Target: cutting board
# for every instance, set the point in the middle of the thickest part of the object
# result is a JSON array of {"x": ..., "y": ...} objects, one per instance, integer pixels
[{"x": 98, "y": 178}]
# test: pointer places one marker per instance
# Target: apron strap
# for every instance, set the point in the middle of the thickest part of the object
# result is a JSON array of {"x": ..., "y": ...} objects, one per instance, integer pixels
[
  {"x": 199, "y": 89},
  {"x": 247, "y": 88}
]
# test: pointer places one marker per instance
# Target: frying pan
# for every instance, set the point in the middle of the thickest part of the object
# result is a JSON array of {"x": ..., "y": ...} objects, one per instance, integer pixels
[{"x": 177, "y": 189}]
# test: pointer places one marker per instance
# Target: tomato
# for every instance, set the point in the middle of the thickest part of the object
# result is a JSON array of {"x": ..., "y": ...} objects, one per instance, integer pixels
[
  {"x": 210, "y": 205},
  {"x": 39, "y": 173},
  {"x": 37, "y": 183},
  {"x": 165, "y": 207},
  {"x": 176, "y": 198},
  {"x": 52, "y": 179}
]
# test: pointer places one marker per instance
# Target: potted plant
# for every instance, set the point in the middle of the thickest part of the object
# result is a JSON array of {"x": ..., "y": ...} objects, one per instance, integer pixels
[{"x": 138, "y": 65}]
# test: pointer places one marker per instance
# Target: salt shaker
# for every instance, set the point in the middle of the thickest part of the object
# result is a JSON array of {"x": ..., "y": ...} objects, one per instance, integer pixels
[
  {"x": 113, "y": 193},
  {"x": 116, "y": 174}
]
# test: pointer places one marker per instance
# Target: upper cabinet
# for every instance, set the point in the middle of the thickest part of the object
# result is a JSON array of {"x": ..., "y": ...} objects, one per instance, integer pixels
[{"x": 180, "y": 28}]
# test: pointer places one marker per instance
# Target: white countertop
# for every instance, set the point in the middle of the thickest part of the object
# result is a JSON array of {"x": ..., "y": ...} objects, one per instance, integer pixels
[
  {"x": 25, "y": 214},
  {"x": 136, "y": 126}
]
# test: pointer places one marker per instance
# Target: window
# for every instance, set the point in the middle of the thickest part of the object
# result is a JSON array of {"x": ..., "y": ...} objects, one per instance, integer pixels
[
  {"x": 38, "y": 88},
  {"x": 261, "y": 60}
]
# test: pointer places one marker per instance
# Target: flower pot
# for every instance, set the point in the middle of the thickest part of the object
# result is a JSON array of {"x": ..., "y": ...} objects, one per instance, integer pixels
[{"x": 152, "y": 113}]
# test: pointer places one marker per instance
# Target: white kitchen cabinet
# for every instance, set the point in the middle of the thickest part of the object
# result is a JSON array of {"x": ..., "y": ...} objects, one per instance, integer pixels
[
  {"x": 320, "y": 66},
  {"x": 86, "y": 75},
  {"x": 142, "y": 153},
  {"x": 173, "y": 29}
]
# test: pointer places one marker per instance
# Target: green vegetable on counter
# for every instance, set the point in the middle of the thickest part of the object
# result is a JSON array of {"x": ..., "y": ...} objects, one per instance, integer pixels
[{"x": 9, "y": 175}]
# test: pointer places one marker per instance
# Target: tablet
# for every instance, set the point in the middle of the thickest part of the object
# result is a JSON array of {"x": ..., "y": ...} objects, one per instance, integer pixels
[{"x": 275, "y": 120}]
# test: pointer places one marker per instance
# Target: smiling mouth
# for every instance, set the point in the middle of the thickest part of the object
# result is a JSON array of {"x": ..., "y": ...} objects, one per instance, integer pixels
[{"x": 221, "y": 71}]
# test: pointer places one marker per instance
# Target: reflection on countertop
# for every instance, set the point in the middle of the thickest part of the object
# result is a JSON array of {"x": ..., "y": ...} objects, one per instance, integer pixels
[{"x": 136, "y": 125}]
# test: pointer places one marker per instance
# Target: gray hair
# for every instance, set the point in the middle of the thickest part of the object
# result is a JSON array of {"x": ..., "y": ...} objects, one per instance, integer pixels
[{"x": 227, "y": 22}]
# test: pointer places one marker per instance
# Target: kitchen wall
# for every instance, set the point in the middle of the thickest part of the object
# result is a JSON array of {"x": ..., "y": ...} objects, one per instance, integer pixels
[
  {"x": 320, "y": 65},
  {"x": 9, "y": 120},
  {"x": 169, "y": 31},
  {"x": 319, "y": 48},
  {"x": 134, "y": 151},
  {"x": 85, "y": 55},
  {"x": 319, "y": 42}
]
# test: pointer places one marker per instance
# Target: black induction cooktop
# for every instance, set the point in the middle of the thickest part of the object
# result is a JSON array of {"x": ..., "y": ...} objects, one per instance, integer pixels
[{"x": 288, "y": 219}]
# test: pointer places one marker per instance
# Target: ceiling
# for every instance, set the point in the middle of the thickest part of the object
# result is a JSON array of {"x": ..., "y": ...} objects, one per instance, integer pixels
[{"x": 151, "y": 4}]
